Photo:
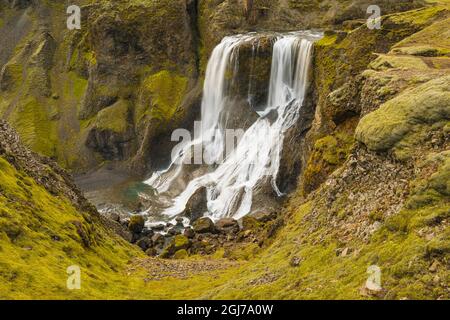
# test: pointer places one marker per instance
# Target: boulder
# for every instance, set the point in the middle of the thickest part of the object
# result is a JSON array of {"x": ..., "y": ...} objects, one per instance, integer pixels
[
  {"x": 136, "y": 224},
  {"x": 144, "y": 243},
  {"x": 204, "y": 225},
  {"x": 196, "y": 206},
  {"x": 177, "y": 243},
  {"x": 158, "y": 240},
  {"x": 148, "y": 233},
  {"x": 181, "y": 254},
  {"x": 189, "y": 232},
  {"x": 227, "y": 225},
  {"x": 114, "y": 216},
  {"x": 174, "y": 231},
  {"x": 159, "y": 227}
]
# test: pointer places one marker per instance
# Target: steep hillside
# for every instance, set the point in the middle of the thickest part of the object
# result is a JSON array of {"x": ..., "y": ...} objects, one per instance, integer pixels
[{"x": 373, "y": 161}]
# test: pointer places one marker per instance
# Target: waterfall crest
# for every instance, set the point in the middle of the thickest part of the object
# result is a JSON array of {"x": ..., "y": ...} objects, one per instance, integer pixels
[{"x": 256, "y": 158}]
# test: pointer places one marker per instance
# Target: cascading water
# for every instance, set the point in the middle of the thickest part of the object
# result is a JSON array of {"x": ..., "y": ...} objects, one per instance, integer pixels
[{"x": 256, "y": 158}]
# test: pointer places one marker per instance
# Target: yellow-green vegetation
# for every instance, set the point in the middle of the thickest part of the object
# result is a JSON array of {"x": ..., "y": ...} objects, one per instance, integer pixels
[
  {"x": 31, "y": 119},
  {"x": 42, "y": 235},
  {"x": 431, "y": 190},
  {"x": 37, "y": 245},
  {"x": 404, "y": 257},
  {"x": 384, "y": 62},
  {"x": 340, "y": 55},
  {"x": 166, "y": 91},
  {"x": 403, "y": 122},
  {"x": 75, "y": 87},
  {"x": 435, "y": 36},
  {"x": 114, "y": 118},
  {"x": 12, "y": 75},
  {"x": 329, "y": 152}
]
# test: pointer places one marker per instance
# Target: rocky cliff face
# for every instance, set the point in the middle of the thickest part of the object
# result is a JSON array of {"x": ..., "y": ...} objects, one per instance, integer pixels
[
  {"x": 371, "y": 152},
  {"x": 115, "y": 89}
]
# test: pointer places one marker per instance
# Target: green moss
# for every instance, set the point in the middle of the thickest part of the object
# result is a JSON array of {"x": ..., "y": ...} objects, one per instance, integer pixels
[
  {"x": 402, "y": 121},
  {"x": 328, "y": 154},
  {"x": 76, "y": 86},
  {"x": 181, "y": 254},
  {"x": 244, "y": 252},
  {"x": 32, "y": 120},
  {"x": 179, "y": 242},
  {"x": 435, "y": 36},
  {"x": 167, "y": 91},
  {"x": 418, "y": 17},
  {"x": 327, "y": 40},
  {"x": 114, "y": 118},
  {"x": 91, "y": 58},
  {"x": 136, "y": 223},
  {"x": 384, "y": 62},
  {"x": 40, "y": 241}
]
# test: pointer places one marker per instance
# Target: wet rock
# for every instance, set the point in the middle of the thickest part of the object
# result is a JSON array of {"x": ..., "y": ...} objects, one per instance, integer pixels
[
  {"x": 136, "y": 224},
  {"x": 174, "y": 231},
  {"x": 196, "y": 206},
  {"x": 189, "y": 232},
  {"x": 144, "y": 243},
  {"x": 168, "y": 226},
  {"x": 227, "y": 225},
  {"x": 111, "y": 145},
  {"x": 159, "y": 227},
  {"x": 158, "y": 240},
  {"x": 179, "y": 220},
  {"x": 204, "y": 225},
  {"x": 125, "y": 222},
  {"x": 147, "y": 233}
]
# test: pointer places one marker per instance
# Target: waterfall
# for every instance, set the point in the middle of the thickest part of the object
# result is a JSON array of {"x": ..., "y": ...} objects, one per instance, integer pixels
[{"x": 256, "y": 158}]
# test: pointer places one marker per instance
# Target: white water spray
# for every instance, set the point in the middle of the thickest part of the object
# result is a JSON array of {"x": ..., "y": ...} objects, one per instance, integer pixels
[{"x": 256, "y": 159}]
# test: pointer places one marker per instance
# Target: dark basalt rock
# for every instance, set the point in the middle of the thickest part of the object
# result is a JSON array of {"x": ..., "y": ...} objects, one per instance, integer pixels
[
  {"x": 189, "y": 232},
  {"x": 158, "y": 240},
  {"x": 144, "y": 243},
  {"x": 136, "y": 224},
  {"x": 196, "y": 205},
  {"x": 111, "y": 145}
]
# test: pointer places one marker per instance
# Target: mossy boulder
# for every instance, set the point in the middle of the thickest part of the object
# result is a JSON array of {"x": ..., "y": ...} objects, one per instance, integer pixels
[
  {"x": 401, "y": 122},
  {"x": 177, "y": 243},
  {"x": 204, "y": 225},
  {"x": 181, "y": 254},
  {"x": 136, "y": 224}
]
